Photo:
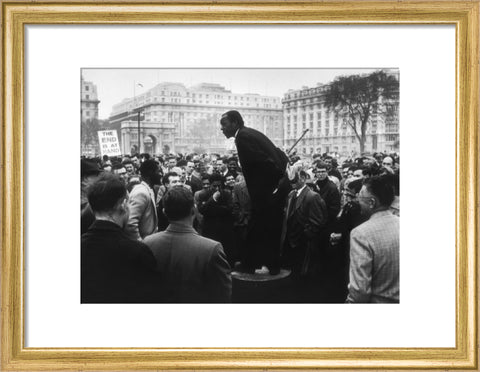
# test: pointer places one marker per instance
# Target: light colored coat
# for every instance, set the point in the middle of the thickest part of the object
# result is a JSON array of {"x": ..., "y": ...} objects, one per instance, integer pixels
[
  {"x": 374, "y": 260},
  {"x": 143, "y": 219},
  {"x": 192, "y": 268}
]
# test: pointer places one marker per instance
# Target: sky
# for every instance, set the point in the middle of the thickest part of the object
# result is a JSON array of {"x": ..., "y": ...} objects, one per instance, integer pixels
[{"x": 113, "y": 85}]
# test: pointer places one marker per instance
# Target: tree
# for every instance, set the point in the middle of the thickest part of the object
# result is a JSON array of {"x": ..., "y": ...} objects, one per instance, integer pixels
[
  {"x": 89, "y": 133},
  {"x": 357, "y": 97}
]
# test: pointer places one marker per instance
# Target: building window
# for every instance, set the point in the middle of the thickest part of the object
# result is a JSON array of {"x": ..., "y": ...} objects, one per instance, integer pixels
[
  {"x": 87, "y": 96},
  {"x": 87, "y": 87},
  {"x": 87, "y": 113}
]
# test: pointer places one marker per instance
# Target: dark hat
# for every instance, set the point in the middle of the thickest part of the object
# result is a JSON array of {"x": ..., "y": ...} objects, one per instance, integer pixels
[{"x": 89, "y": 167}]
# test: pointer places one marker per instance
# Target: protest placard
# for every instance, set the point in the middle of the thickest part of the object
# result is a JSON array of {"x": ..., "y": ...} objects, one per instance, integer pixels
[{"x": 108, "y": 141}]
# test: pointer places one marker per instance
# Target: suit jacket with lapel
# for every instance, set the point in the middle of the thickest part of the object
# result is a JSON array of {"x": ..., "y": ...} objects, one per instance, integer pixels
[
  {"x": 195, "y": 183},
  {"x": 143, "y": 212},
  {"x": 241, "y": 204},
  {"x": 304, "y": 220},
  {"x": 263, "y": 164}
]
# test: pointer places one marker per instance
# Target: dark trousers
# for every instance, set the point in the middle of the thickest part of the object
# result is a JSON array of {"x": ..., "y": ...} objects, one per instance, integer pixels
[
  {"x": 263, "y": 235},
  {"x": 240, "y": 234}
]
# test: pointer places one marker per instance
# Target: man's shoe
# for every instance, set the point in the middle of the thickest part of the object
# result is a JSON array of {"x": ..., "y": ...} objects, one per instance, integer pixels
[{"x": 262, "y": 271}]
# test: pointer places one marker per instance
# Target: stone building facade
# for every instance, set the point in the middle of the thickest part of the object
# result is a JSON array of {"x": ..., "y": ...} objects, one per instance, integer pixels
[
  {"x": 88, "y": 112},
  {"x": 330, "y": 132},
  {"x": 194, "y": 113},
  {"x": 88, "y": 100}
]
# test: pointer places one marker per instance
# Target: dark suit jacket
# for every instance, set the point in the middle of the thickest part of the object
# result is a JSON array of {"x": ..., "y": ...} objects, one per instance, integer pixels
[
  {"x": 193, "y": 268},
  {"x": 330, "y": 194},
  {"x": 217, "y": 216},
  {"x": 116, "y": 269},
  {"x": 195, "y": 183},
  {"x": 263, "y": 164},
  {"x": 305, "y": 219},
  {"x": 241, "y": 204}
]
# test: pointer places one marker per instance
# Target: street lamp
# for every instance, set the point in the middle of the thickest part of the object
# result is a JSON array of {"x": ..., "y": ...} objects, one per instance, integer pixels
[{"x": 138, "y": 112}]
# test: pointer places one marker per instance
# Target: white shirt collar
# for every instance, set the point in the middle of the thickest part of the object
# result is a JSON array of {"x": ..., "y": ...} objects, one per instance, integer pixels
[
  {"x": 235, "y": 135},
  {"x": 299, "y": 191}
]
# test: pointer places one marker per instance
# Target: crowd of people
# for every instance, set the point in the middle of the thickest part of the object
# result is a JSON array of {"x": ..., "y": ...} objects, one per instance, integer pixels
[{"x": 173, "y": 228}]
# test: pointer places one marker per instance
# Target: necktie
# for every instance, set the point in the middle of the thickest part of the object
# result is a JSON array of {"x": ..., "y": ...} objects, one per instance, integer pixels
[{"x": 293, "y": 202}]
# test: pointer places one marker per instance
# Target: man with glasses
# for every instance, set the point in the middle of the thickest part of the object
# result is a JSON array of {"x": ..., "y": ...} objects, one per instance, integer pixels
[
  {"x": 327, "y": 190},
  {"x": 200, "y": 198},
  {"x": 374, "y": 247},
  {"x": 217, "y": 212},
  {"x": 304, "y": 220},
  {"x": 349, "y": 217},
  {"x": 329, "y": 257}
]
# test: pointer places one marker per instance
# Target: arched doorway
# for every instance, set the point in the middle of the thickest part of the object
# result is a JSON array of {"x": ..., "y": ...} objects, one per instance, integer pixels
[{"x": 150, "y": 144}]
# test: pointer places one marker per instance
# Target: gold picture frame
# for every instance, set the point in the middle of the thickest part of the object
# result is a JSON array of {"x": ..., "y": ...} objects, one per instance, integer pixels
[{"x": 15, "y": 15}]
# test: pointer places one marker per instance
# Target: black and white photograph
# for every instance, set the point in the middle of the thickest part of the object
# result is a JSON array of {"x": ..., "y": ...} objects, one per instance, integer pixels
[
  {"x": 250, "y": 186},
  {"x": 239, "y": 169}
]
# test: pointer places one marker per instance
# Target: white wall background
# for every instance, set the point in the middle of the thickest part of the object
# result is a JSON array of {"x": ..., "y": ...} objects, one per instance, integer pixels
[{"x": 425, "y": 56}]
